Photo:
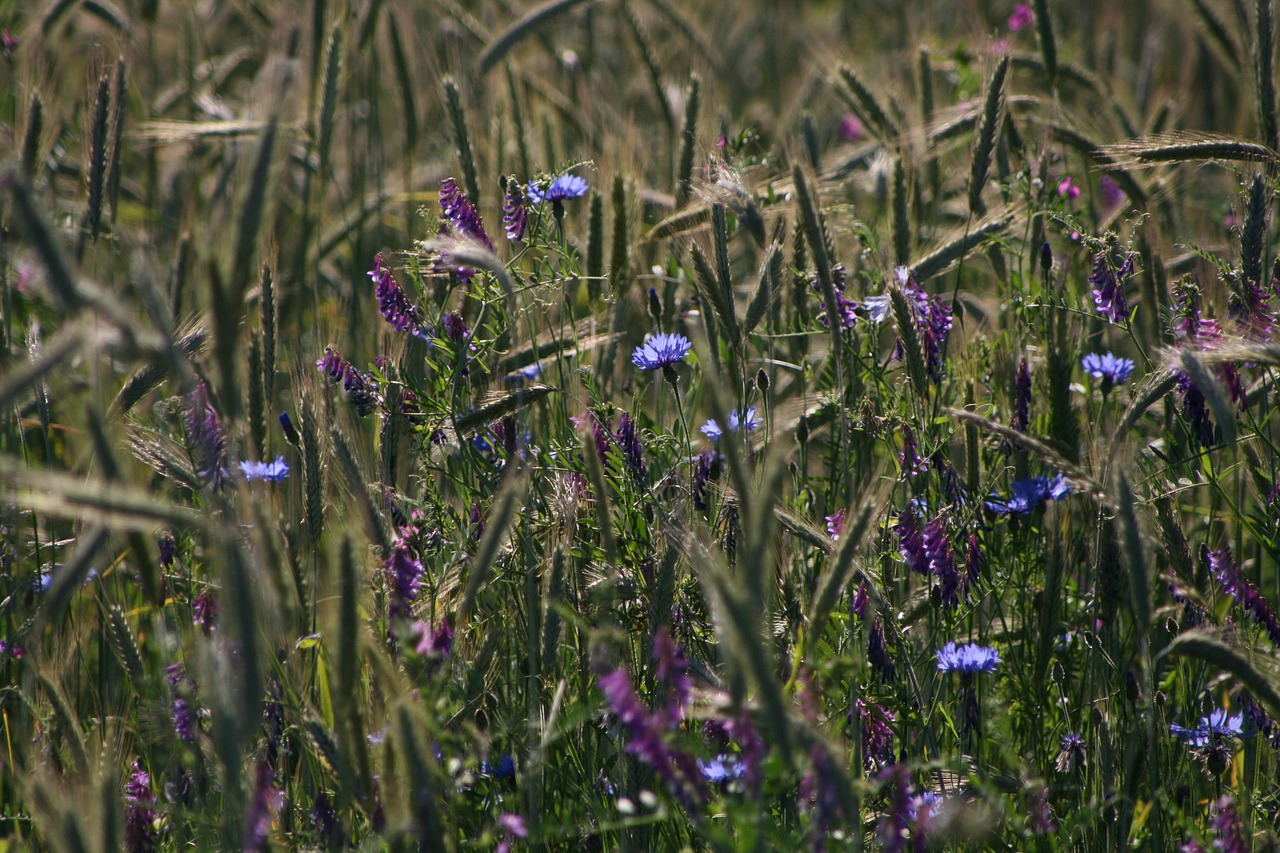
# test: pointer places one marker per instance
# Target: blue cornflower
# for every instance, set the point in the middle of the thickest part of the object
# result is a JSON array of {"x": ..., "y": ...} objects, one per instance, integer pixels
[
  {"x": 560, "y": 188},
  {"x": 1219, "y": 724},
  {"x": 722, "y": 769},
  {"x": 272, "y": 472},
  {"x": 1072, "y": 755},
  {"x": 967, "y": 659},
  {"x": 1111, "y": 369},
  {"x": 661, "y": 351},
  {"x": 1029, "y": 494},
  {"x": 746, "y": 420},
  {"x": 877, "y": 308}
]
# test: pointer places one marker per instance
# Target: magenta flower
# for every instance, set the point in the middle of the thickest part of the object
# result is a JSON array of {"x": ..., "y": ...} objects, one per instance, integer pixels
[
  {"x": 1067, "y": 189},
  {"x": 1022, "y": 17}
]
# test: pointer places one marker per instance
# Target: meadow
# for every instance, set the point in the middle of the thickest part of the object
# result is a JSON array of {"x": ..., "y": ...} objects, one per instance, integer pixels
[{"x": 639, "y": 425}]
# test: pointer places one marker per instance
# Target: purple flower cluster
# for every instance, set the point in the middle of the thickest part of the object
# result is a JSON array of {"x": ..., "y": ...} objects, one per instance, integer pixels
[
  {"x": 357, "y": 387},
  {"x": 512, "y": 826},
  {"x": 647, "y": 741},
  {"x": 1233, "y": 582},
  {"x": 461, "y": 215},
  {"x": 928, "y": 551},
  {"x": 434, "y": 642},
  {"x": 404, "y": 574},
  {"x": 204, "y": 612},
  {"x": 911, "y": 463},
  {"x": 204, "y": 432},
  {"x": 706, "y": 468},
  {"x": 1022, "y": 17},
  {"x": 1108, "y": 287},
  {"x": 185, "y": 722},
  {"x": 515, "y": 217},
  {"x": 1029, "y": 494},
  {"x": 266, "y": 801},
  {"x": 393, "y": 303},
  {"x": 1247, "y": 306},
  {"x": 847, "y": 308},
  {"x": 632, "y": 450},
  {"x": 461, "y": 219},
  {"x": 877, "y": 734},
  {"x": 140, "y": 832},
  {"x": 933, "y": 321}
]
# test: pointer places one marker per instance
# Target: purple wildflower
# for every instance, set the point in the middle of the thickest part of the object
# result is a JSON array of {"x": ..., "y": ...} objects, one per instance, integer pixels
[
  {"x": 646, "y": 740},
  {"x": 851, "y": 129},
  {"x": 1111, "y": 369},
  {"x": 461, "y": 219},
  {"x": 967, "y": 659},
  {"x": 1247, "y": 306},
  {"x": 818, "y": 788},
  {"x": 266, "y": 801},
  {"x": 933, "y": 321},
  {"x": 910, "y": 461},
  {"x": 706, "y": 468},
  {"x": 1228, "y": 828},
  {"x": 1108, "y": 292},
  {"x": 357, "y": 388},
  {"x": 1039, "y": 818},
  {"x": 861, "y": 596},
  {"x": 1195, "y": 409},
  {"x": 140, "y": 832},
  {"x": 1022, "y": 17},
  {"x": 911, "y": 544},
  {"x": 1112, "y": 195},
  {"x": 271, "y": 472},
  {"x": 664, "y": 350},
  {"x": 324, "y": 819},
  {"x": 404, "y": 573},
  {"x": 1225, "y": 571},
  {"x": 393, "y": 303},
  {"x": 168, "y": 549},
  {"x": 672, "y": 669},
  {"x": 204, "y": 431},
  {"x": 974, "y": 560},
  {"x": 895, "y": 826},
  {"x": 1068, "y": 189},
  {"x": 512, "y": 827},
  {"x": 632, "y": 451},
  {"x": 204, "y": 612},
  {"x": 877, "y": 734},
  {"x": 515, "y": 217},
  {"x": 847, "y": 308},
  {"x": 436, "y": 641},
  {"x": 942, "y": 562},
  {"x": 878, "y": 654},
  {"x": 185, "y": 722},
  {"x": 461, "y": 214},
  {"x": 835, "y": 523}
]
